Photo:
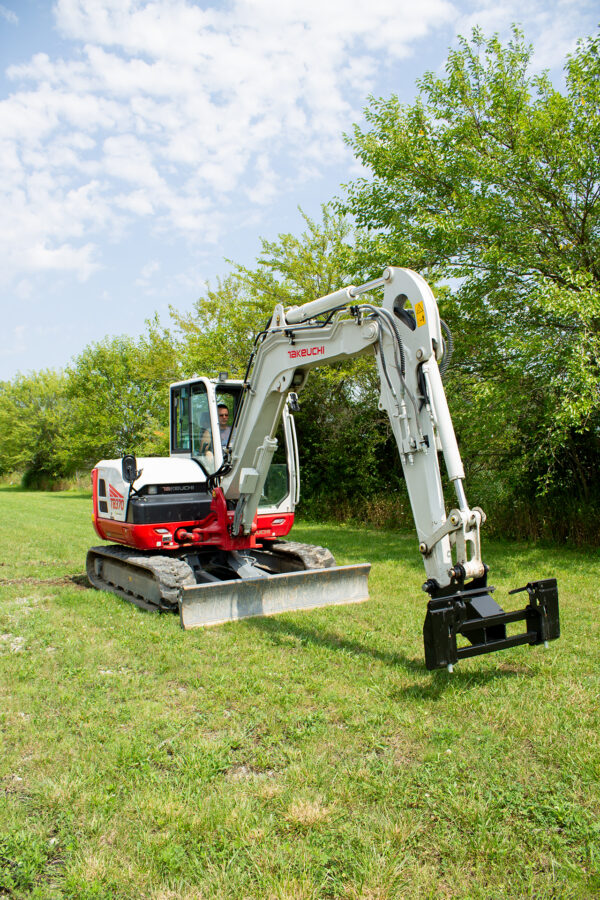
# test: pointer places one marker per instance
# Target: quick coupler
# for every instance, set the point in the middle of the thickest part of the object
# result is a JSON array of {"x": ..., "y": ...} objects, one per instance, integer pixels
[{"x": 474, "y": 614}]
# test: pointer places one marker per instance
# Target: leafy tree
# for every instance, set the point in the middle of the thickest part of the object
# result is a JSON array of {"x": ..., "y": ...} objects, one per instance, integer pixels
[
  {"x": 492, "y": 178},
  {"x": 33, "y": 409},
  {"x": 118, "y": 398},
  {"x": 217, "y": 334}
]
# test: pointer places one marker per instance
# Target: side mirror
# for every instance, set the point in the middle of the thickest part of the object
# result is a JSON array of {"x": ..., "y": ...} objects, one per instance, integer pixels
[{"x": 129, "y": 469}]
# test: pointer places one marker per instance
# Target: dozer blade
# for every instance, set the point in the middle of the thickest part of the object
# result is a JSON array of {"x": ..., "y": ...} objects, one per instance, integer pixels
[{"x": 228, "y": 601}]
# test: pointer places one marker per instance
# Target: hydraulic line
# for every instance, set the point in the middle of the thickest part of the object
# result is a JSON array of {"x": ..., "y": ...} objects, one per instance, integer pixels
[
  {"x": 448, "y": 348},
  {"x": 384, "y": 313},
  {"x": 385, "y": 318}
]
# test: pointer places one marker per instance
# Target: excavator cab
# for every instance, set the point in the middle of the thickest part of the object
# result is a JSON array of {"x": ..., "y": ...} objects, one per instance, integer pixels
[
  {"x": 194, "y": 423},
  {"x": 201, "y": 432}
]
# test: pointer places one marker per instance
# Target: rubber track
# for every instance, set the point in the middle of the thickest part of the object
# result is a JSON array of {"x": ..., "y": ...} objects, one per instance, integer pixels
[
  {"x": 170, "y": 573},
  {"x": 310, "y": 555}
]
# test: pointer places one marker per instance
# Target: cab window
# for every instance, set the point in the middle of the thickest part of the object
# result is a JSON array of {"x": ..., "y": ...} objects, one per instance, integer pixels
[
  {"x": 190, "y": 427},
  {"x": 180, "y": 425},
  {"x": 201, "y": 431}
]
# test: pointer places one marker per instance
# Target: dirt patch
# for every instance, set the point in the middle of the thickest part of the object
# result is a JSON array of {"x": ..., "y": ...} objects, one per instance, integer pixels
[{"x": 79, "y": 581}]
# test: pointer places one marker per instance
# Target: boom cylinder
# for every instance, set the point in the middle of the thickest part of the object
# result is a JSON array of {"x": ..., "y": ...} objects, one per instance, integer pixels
[{"x": 337, "y": 300}]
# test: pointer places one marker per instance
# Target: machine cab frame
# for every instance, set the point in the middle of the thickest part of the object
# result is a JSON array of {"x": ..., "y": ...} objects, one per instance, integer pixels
[{"x": 195, "y": 433}]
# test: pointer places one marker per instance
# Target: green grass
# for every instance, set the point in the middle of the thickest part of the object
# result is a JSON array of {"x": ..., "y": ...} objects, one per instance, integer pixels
[{"x": 304, "y": 756}]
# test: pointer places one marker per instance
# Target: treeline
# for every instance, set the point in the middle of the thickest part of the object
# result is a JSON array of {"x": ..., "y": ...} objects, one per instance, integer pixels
[{"x": 489, "y": 185}]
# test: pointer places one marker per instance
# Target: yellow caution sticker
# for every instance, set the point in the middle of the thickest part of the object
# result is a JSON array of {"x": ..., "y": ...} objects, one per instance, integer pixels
[{"x": 420, "y": 314}]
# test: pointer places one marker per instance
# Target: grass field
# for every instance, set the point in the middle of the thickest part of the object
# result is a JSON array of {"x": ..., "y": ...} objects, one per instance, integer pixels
[{"x": 305, "y": 756}]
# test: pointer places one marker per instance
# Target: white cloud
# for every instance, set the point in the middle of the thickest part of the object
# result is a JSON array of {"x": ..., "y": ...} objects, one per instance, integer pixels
[
  {"x": 171, "y": 111},
  {"x": 7, "y": 14},
  {"x": 178, "y": 115},
  {"x": 554, "y": 28},
  {"x": 146, "y": 280},
  {"x": 13, "y": 342}
]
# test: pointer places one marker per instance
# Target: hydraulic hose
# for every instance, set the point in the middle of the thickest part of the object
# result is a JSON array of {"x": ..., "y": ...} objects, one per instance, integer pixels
[
  {"x": 448, "y": 348},
  {"x": 384, "y": 317}
]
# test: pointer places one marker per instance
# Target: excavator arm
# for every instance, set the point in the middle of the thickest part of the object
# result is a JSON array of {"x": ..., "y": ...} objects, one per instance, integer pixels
[{"x": 404, "y": 334}]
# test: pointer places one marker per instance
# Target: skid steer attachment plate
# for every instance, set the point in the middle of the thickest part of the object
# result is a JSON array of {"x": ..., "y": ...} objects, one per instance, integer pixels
[
  {"x": 473, "y": 614},
  {"x": 228, "y": 601}
]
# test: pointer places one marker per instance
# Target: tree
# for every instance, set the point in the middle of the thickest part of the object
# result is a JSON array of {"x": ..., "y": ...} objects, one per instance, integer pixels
[
  {"x": 217, "y": 335},
  {"x": 492, "y": 178},
  {"x": 33, "y": 409},
  {"x": 219, "y": 332},
  {"x": 118, "y": 399}
]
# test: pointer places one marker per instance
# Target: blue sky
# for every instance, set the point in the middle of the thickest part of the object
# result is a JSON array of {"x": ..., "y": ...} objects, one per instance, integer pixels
[{"x": 142, "y": 142}]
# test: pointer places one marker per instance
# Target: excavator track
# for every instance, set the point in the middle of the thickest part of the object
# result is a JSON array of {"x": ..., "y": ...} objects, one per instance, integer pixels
[
  {"x": 310, "y": 555},
  {"x": 288, "y": 576},
  {"x": 293, "y": 556},
  {"x": 151, "y": 582}
]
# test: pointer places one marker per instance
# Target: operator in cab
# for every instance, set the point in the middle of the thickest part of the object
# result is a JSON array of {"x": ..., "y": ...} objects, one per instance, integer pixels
[{"x": 224, "y": 427}]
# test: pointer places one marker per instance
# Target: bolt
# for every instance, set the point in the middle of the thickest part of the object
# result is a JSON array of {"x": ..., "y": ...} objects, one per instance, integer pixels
[
  {"x": 419, "y": 353},
  {"x": 423, "y": 547}
]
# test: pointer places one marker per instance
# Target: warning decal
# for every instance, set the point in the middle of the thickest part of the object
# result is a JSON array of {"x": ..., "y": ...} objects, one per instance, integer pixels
[{"x": 420, "y": 314}]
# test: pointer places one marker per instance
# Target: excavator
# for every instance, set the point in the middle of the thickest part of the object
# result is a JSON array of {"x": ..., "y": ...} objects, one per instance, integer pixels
[{"x": 202, "y": 531}]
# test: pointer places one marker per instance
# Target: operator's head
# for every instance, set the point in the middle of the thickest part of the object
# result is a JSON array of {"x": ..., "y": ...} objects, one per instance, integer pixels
[{"x": 223, "y": 411}]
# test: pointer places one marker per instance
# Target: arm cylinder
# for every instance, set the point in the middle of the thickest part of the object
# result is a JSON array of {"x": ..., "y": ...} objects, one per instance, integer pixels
[
  {"x": 454, "y": 465},
  {"x": 338, "y": 299}
]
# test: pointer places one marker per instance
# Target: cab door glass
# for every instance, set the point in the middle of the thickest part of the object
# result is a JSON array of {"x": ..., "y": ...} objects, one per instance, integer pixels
[
  {"x": 227, "y": 401},
  {"x": 180, "y": 410},
  {"x": 277, "y": 486},
  {"x": 202, "y": 442}
]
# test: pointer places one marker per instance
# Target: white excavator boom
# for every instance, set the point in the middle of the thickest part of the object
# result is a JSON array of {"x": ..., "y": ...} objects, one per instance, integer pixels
[{"x": 404, "y": 334}]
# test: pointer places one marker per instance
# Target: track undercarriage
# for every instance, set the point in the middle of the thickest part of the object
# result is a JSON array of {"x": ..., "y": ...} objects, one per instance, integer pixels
[{"x": 210, "y": 587}]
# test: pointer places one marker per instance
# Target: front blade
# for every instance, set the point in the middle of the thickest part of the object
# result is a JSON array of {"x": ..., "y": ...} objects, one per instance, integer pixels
[{"x": 228, "y": 601}]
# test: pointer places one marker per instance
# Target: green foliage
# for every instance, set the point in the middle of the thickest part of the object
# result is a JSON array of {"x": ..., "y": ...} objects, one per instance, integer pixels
[
  {"x": 118, "y": 399},
  {"x": 217, "y": 335},
  {"x": 341, "y": 434},
  {"x": 33, "y": 409},
  {"x": 339, "y": 429},
  {"x": 492, "y": 178},
  {"x": 112, "y": 399}
]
